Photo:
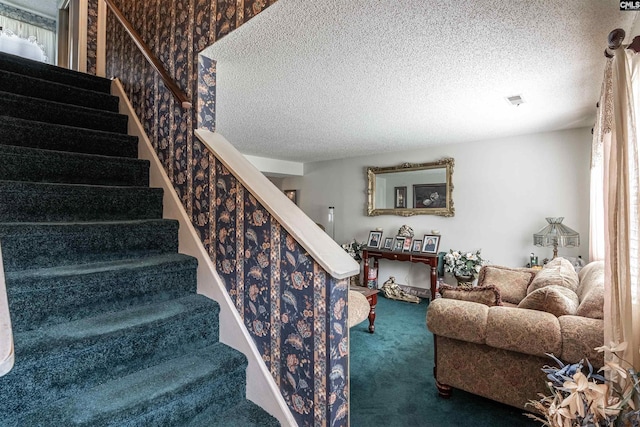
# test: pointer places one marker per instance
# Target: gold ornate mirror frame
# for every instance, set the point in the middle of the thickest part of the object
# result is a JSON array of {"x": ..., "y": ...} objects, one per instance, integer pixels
[{"x": 420, "y": 186}]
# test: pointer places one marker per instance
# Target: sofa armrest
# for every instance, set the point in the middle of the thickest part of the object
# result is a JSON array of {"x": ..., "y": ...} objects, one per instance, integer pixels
[
  {"x": 461, "y": 320},
  {"x": 525, "y": 331},
  {"x": 580, "y": 335}
]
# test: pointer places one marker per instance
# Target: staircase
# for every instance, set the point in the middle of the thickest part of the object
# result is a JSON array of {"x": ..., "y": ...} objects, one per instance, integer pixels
[{"x": 108, "y": 327}]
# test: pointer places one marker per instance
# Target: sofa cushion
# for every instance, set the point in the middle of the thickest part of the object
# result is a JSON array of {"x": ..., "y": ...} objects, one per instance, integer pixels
[
  {"x": 580, "y": 337},
  {"x": 525, "y": 331},
  {"x": 461, "y": 320},
  {"x": 591, "y": 291},
  {"x": 553, "y": 299},
  {"x": 592, "y": 304},
  {"x": 590, "y": 275},
  {"x": 511, "y": 282},
  {"x": 359, "y": 308},
  {"x": 558, "y": 271},
  {"x": 487, "y": 295}
]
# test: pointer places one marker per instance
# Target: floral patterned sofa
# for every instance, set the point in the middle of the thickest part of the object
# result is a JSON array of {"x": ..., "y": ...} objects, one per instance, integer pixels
[{"x": 491, "y": 340}]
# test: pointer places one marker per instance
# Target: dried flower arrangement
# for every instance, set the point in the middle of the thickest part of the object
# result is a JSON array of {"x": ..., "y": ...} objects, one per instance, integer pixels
[{"x": 580, "y": 397}]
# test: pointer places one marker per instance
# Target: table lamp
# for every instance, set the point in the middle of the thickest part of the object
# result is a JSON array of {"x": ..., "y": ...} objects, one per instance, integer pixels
[{"x": 556, "y": 234}]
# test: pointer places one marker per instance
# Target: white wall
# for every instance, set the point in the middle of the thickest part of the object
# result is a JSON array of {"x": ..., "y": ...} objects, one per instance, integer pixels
[{"x": 503, "y": 190}]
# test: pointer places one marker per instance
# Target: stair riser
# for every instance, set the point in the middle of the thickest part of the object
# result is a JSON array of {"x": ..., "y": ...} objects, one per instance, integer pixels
[
  {"x": 61, "y": 372},
  {"x": 215, "y": 390},
  {"x": 45, "y": 203},
  {"x": 42, "y": 89},
  {"x": 245, "y": 414},
  {"x": 209, "y": 393},
  {"x": 47, "y": 301},
  {"x": 27, "y": 133},
  {"x": 22, "y": 244},
  {"x": 54, "y": 112},
  {"x": 43, "y": 71},
  {"x": 48, "y": 166}
]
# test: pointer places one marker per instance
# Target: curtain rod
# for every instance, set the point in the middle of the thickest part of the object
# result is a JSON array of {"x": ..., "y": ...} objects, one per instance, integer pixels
[{"x": 614, "y": 41}]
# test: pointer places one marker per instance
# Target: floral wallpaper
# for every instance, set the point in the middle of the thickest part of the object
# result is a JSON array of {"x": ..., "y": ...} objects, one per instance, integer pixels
[
  {"x": 294, "y": 310},
  {"x": 92, "y": 35},
  {"x": 281, "y": 293}
]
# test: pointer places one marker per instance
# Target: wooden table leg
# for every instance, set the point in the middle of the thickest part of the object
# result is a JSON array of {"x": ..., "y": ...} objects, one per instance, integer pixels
[
  {"x": 375, "y": 266},
  {"x": 434, "y": 281},
  {"x": 373, "y": 301},
  {"x": 365, "y": 279}
]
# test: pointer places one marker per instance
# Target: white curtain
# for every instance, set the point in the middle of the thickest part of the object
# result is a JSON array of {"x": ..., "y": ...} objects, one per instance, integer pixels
[
  {"x": 616, "y": 174},
  {"x": 16, "y": 34}
]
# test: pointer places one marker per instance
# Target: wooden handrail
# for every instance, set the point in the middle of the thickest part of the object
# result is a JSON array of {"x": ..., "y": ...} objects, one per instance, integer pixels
[
  {"x": 322, "y": 248},
  {"x": 153, "y": 60}
]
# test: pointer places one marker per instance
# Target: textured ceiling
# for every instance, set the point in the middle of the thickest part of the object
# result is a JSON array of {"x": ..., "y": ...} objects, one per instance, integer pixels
[
  {"x": 46, "y": 8},
  {"x": 316, "y": 80}
]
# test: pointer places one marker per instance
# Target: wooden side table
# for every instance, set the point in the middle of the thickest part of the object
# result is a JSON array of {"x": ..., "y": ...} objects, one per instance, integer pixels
[
  {"x": 430, "y": 259},
  {"x": 372, "y": 298}
]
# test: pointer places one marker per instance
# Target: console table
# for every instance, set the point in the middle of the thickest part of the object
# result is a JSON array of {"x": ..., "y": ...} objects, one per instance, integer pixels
[{"x": 429, "y": 259}]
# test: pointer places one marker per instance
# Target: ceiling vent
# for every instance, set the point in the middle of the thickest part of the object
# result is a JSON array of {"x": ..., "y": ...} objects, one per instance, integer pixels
[{"x": 515, "y": 100}]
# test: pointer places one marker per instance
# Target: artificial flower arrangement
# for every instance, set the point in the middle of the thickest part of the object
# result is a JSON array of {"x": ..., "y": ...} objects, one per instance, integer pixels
[
  {"x": 580, "y": 397},
  {"x": 463, "y": 264},
  {"x": 353, "y": 248}
]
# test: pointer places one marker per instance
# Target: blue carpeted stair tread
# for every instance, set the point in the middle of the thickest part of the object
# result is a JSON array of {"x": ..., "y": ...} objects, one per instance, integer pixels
[
  {"x": 49, "y": 296},
  {"x": 48, "y": 202},
  {"x": 51, "y": 136},
  {"x": 43, "y": 89},
  {"x": 25, "y": 107},
  {"x": 17, "y": 64},
  {"x": 83, "y": 242},
  {"x": 244, "y": 414},
  {"x": 99, "y": 267},
  {"x": 72, "y": 168},
  {"x": 57, "y": 362},
  {"x": 148, "y": 397},
  {"x": 92, "y": 329}
]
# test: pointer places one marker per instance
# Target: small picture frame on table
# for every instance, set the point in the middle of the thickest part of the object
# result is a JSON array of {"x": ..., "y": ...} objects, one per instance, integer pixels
[
  {"x": 416, "y": 246},
  {"x": 398, "y": 243},
  {"x": 375, "y": 237},
  {"x": 388, "y": 243},
  {"x": 400, "y": 201},
  {"x": 430, "y": 244},
  {"x": 406, "y": 246}
]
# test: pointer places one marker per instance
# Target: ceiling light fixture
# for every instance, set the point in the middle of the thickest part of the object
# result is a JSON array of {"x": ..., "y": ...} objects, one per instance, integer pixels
[{"x": 515, "y": 100}]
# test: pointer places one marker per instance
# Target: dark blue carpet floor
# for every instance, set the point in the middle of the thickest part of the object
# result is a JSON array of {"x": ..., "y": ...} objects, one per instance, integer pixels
[{"x": 392, "y": 382}]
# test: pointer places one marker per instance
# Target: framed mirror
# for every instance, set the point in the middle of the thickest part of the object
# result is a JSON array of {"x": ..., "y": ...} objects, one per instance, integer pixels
[{"x": 411, "y": 189}]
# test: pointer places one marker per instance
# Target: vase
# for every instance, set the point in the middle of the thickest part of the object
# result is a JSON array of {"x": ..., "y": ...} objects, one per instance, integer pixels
[{"x": 465, "y": 280}]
